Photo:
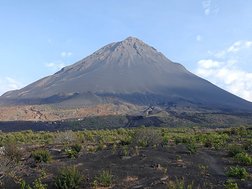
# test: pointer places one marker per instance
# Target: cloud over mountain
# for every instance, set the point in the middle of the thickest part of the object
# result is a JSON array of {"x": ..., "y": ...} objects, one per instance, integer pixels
[{"x": 224, "y": 69}]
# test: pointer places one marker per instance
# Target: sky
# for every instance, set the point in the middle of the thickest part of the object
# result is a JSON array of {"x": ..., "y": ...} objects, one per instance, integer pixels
[{"x": 211, "y": 38}]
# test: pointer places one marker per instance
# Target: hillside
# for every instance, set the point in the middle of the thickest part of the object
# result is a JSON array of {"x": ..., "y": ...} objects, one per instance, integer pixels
[{"x": 126, "y": 71}]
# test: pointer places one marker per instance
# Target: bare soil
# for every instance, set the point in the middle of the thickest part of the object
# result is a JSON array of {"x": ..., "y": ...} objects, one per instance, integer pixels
[{"x": 150, "y": 168}]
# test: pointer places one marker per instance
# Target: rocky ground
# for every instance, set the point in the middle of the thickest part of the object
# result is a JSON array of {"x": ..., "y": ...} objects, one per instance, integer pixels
[
  {"x": 53, "y": 113},
  {"x": 140, "y": 158}
]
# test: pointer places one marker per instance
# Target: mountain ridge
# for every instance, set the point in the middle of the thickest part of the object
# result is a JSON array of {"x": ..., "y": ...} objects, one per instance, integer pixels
[{"x": 127, "y": 71}]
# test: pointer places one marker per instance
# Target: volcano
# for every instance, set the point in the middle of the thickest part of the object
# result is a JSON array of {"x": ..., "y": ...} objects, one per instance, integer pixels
[{"x": 127, "y": 71}]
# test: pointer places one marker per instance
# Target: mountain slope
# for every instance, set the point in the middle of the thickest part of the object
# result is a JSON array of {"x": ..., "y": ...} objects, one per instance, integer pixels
[{"x": 129, "y": 71}]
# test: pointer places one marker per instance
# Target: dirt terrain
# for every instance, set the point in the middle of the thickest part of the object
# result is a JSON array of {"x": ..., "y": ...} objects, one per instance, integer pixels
[
  {"x": 53, "y": 118},
  {"x": 151, "y": 168},
  {"x": 52, "y": 113},
  {"x": 140, "y": 158}
]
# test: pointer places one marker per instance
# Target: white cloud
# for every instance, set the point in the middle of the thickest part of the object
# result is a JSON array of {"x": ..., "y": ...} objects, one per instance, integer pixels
[
  {"x": 199, "y": 38},
  {"x": 220, "y": 54},
  {"x": 66, "y": 54},
  {"x": 208, "y": 64},
  {"x": 57, "y": 65},
  {"x": 9, "y": 83},
  {"x": 248, "y": 44},
  {"x": 224, "y": 70},
  {"x": 206, "y": 6},
  {"x": 235, "y": 47},
  {"x": 232, "y": 49},
  {"x": 239, "y": 45},
  {"x": 209, "y": 7},
  {"x": 227, "y": 76}
]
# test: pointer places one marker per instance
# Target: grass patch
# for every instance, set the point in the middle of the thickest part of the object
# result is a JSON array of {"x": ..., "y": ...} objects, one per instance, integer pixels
[
  {"x": 41, "y": 156},
  {"x": 243, "y": 158},
  {"x": 104, "y": 179},
  {"x": 237, "y": 172},
  {"x": 68, "y": 178}
]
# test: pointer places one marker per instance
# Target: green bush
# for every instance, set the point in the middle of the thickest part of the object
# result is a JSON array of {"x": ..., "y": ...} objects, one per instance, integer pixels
[
  {"x": 104, "y": 179},
  {"x": 239, "y": 131},
  {"x": 183, "y": 139},
  {"x": 73, "y": 150},
  {"x": 66, "y": 137},
  {"x": 68, "y": 178},
  {"x": 165, "y": 140},
  {"x": 76, "y": 147},
  {"x": 145, "y": 137},
  {"x": 71, "y": 153},
  {"x": 179, "y": 184},
  {"x": 37, "y": 184},
  {"x": 208, "y": 143},
  {"x": 41, "y": 156},
  {"x": 238, "y": 172},
  {"x": 12, "y": 151},
  {"x": 247, "y": 145},
  {"x": 234, "y": 149},
  {"x": 243, "y": 158},
  {"x": 230, "y": 184},
  {"x": 213, "y": 140},
  {"x": 191, "y": 147}
]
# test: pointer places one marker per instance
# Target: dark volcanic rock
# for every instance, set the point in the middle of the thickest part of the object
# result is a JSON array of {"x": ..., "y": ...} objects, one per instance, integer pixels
[{"x": 129, "y": 71}]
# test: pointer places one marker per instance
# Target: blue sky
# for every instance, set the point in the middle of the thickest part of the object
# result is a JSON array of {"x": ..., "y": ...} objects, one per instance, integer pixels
[{"x": 211, "y": 38}]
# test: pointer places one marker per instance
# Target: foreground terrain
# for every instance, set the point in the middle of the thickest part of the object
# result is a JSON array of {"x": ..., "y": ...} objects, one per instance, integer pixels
[{"x": 127, "y": 158}]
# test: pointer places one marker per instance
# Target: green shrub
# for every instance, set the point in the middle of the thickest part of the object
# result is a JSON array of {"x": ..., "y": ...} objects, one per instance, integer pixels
[
  {"x": 238, "y": 172},
  {"x": 214, "y": 140},
  {"x": 234, "y": 149},
  {"x": 66, "y": 137},
  {"x": 68, "y": 178},
  {"x": 125, "y": 150},
  {"x": 73, "y": 150},
  {"x": 182, "y": 139},
  {"x": 37, "y": 184},
  {"x": 76, "y": 147},
  {"x": 12, "y": 151},
  {"x": 8, "y": 169},
  {"x": 41, "y": 156},
  {"x": 191, "y": 147},
  {"x": 243, "y": 158},
  {"x": 104, "y": 179},
  {"x": 178, "y": 140},
  {"x": 239, "y": 131},
  {"x": 208, "y": 143},
  {"x": 179, "y": 184},
  {"x": 230, "y": 184},
  {"x": 71, "y": 153},
  {"x": 247, "y": 145},
  {"x": 165, "y": 139},
  {"x": 24, "y": 185},
  {"x": 145, "y": 137}
]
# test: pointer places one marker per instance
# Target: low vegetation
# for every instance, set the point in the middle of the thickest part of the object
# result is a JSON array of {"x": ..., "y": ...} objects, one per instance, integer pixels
[
  {"x": 73, "y": 150},
  {"x": 104, "y": 179},
  {"x": 231, "y": 184},
  {"x": 41, "y": 156},
  {"x": 179, "y": 184},
  {"x": 238, "y": 172},
  {"x": 68, "y": 178},
  {"x": 124, "y": 158},
  {"x": 243, "y": 158}
]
